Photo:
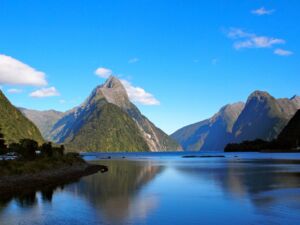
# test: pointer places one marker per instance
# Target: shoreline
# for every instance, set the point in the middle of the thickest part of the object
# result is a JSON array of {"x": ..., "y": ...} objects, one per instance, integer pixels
[{"x": 62, "y": 175}]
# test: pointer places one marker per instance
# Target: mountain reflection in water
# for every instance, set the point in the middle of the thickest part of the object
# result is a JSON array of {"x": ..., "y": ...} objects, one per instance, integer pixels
[
  {"x": 114, "y": 193},
  {"x": 169, "y": 190}
]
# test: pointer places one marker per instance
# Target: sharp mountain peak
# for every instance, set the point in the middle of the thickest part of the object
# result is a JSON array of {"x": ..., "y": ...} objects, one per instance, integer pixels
[{"x": 113, "y": 91}]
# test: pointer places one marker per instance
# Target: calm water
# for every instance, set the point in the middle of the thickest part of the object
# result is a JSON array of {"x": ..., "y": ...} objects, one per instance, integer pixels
[{"x": 167, "y": 189}]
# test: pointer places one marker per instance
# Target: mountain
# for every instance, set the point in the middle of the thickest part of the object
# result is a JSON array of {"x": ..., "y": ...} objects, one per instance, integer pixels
[
  {"x": 287, "y": 140},
  {"x": 108, "y": 121},
  {"x": 212, "y": 134},
  {"x": 262, "y": 117},
  {"x": 291, "y": 133},
  {"x": 44, "y": 120},
  {"x": 14, "y": 125}
]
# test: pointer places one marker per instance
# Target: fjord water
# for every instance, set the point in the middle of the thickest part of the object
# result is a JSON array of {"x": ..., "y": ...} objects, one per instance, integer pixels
[{"x": 168, "y": 189}]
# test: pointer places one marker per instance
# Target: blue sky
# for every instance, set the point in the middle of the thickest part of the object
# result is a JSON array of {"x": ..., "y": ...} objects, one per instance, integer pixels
[{"x": 190, "y": 56}]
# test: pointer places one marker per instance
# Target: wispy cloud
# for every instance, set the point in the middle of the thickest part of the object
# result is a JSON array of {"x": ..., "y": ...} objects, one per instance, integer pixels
[
  {"x": 14, "y": 91},
  {"x": 133, "y": 60},
  {"x": 45, "y": 92},
  {"x": 139, "y": 95},
  {"x": 263, "y": 11},
  {"x": 250, "y": 40},
  {"x": 135, "y": 94},
  {"x": 282, "y": 52},
  {"x": 15, "y": 72},
  {"x": 103, "y": 72}
]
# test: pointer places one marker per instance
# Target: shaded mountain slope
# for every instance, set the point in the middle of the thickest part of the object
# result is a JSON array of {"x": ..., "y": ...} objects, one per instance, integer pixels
[
  {"x": 44, "y": 120},
  {"x": 14, "y": 125},
  {"x": 212, "y": 134}
]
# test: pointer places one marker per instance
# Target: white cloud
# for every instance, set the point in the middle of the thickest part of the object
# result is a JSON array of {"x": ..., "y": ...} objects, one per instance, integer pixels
[
  {"x": 251, "y": 40},
  {"x": 139, "y": 95},
  {"x": 45, "y": 92},
  {"x": 262, "y": 11},
  {"x": 135, "y": 94},
  {"x": 103, "y": 72},
  {"x": 282, "y": 52},
  {"x": 15, "y": 72},
  {"x": 133, "y": 60},
  {"x": 14, "y": 91},
  {"x": 62, "y": 101},
  {"x": 258, "y": 42}
]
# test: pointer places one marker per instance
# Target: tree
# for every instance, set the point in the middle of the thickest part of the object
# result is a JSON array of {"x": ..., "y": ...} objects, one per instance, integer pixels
[
  {"x": 3, "y": 147},
  {"x": 47, "y": 150},
  {"x": 28, "y": 148}
]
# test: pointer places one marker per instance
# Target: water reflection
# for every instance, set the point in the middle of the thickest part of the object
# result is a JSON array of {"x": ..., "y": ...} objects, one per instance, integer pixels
[
  {"x": 28, "y": 197},
  {"x": 251, "y": 179},
  {"x": 166, "y": 191},
  {"x": 115, "y": 193}
]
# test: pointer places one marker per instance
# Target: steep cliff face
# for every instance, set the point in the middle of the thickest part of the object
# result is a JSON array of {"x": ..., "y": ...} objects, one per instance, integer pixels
[
  {"x": 212, "y": 134},
  {"x": 112, "y": 92},
  {"x": 263, "y": 117}
]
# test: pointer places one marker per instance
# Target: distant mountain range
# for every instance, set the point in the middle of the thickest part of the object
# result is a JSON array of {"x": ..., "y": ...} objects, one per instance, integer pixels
[
  {"x": 287, "y": 141},
  {"x": 14, "y": 125},
  {"x": 44, "y": 120},
  {"x": 262, "y": 117},
  {"x": 106, "y": 121}
]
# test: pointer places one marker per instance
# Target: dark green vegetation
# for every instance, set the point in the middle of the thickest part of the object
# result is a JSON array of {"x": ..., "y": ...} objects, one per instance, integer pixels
[
  {"x": 108, "y": 121},
  {"x": 262, "y": 117},
  {"x": 109, "y": 129},
  {"x": 3, "y": 146},
  {"x": 27, "y": 166},
  {"x": 15, "y": 126},
  {"x": 291, "y": 133},
  {"x": 40, "y": 164},
  {"x": 288, "y": 140},
  {"x": 32, "y": 158}
]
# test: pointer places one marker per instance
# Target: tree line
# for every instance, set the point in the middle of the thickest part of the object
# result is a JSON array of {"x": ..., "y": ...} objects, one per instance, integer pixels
[{"x": 30, "y": 149}]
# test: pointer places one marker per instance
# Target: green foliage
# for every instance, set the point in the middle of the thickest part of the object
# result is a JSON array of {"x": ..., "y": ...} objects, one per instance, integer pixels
[
  {"x": 3, "y": 146},
  {"x": 15, "y": 126},
  {"x": 46, "y": 149},
  {"x": 19, "y": 167},
  {"x": 108, "y": 129},
  {"x": 28, "y": 149}
]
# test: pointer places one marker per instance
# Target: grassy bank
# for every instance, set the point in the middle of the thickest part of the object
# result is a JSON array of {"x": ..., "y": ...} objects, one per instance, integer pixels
[
  {"x": 20, "y": 167},
  {"x": 19, "y": 176}
]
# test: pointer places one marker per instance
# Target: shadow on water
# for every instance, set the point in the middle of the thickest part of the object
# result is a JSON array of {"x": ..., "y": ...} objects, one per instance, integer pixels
[
  {"x": 28, "y": 197},
  {"x": 115, "y": 193}
]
